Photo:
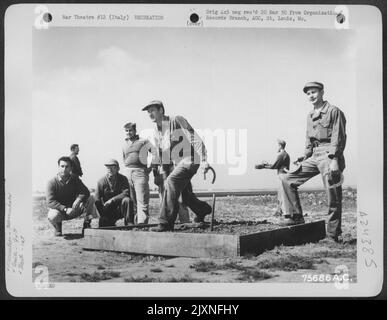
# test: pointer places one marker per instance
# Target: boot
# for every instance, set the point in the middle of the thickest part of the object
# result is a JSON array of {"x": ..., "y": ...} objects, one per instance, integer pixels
[
  {"x": 162, "y": 228},
  {"x": 292, "y": 220},
  {"x": 58, "y": 229},
  {"x": 86, "y": 225}
]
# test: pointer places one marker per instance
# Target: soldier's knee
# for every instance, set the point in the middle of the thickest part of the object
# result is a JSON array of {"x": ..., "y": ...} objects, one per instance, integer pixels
[{"x": 54, "y": 216}]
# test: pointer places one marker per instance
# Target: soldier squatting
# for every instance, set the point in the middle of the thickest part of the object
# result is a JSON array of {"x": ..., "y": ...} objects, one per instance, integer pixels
[{"x": 176, "y": 155}]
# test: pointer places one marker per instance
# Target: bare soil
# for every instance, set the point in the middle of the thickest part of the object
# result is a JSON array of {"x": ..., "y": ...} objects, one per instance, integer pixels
[{"x": 68, "y": 262}]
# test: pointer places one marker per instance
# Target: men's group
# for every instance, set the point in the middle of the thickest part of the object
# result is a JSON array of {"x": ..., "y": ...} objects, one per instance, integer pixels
[{"x": 177, "y": 153}]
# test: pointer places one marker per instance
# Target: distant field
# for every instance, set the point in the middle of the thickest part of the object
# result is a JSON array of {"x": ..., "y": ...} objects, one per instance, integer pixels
[{"x": 67, "y": 261}]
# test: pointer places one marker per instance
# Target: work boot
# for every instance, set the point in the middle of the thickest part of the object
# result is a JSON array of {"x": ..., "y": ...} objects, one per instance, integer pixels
[
  {"x": 200, "y": 217},
  {"x": 86, "y": 225},
  {"x": 58, "y": 229},
  {"x": 162, "y": 228},
  {"x": 292, "y": 220}
]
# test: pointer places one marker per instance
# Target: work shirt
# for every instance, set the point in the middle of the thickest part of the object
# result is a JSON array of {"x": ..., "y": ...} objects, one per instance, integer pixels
[
  {"x": 135, "y": 152},
  {"x": 116, "y": 189},
  {"x": 282, "y": 162},
  {"x": 327, "y": 128},
  {"x": 77, "y": 170},
  {"x": 61, "y": 194},
  {"x": 177, "y": 141}
]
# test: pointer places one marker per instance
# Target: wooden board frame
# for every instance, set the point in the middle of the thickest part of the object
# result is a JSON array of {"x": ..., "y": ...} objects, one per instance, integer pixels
[{"x": 205, "y": 245}]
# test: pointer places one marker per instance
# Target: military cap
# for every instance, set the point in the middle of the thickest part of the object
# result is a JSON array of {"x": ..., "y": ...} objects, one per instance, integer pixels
[
  {"x": 157, "y": 103},
  {"x": 130, "y": 125},
  {"x": 111, "y": 162},
  {"x": 281, "y": 142},
  {"x": 314, "y": 84}
]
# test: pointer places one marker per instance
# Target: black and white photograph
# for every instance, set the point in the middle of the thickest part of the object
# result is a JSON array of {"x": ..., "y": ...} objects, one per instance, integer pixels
[{"x": 197, "y": 154}]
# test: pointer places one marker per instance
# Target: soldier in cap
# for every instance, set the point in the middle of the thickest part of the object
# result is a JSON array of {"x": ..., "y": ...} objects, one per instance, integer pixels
[
  {"x": 135, "y": 152},
  {"x": 112, "y": 196},
  {"x": 325, "y": 144},
  {"x": 181, "y": 152},
  {"x": 281, "y": 164}
]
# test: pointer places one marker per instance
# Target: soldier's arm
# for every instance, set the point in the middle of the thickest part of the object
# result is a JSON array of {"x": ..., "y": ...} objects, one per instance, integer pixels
[
  {"x": 124, "y": 187},
  {"x": 192, "y": 136},
  {"x": 308, "y": 145},
  {"x": 338, "y": 137},
  {"x": 52, "y": 202},
  {"x": 277, "y": 164}
]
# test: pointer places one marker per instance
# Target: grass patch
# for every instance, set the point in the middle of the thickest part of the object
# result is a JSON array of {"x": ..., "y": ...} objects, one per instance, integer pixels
[
  {"x": 287, "y": 263},
  {"x": 157, "y": 270},
  {"x": 251, "y": 274},
  {"x": 204, "y": 266},
  {"x": 232, "y": 265},
  {"x": 334, "y": 254},
  {"x": 185, "y": 278},
  {"x": 144, "y": 278},
  {"x": 99, "y": 276}
]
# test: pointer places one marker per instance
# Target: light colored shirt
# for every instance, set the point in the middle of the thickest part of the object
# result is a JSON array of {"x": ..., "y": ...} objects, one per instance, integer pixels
[{"x": 177, "y": 141}]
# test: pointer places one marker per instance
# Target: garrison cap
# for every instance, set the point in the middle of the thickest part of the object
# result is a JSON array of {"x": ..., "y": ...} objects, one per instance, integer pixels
[
  {"x": 281, "y": 142},
  {"x": 314, "y": 84},
  {"x": 130, "y": 125},
  {"x": 111, "y": 162},
  {"x": 157, "y": 103}
]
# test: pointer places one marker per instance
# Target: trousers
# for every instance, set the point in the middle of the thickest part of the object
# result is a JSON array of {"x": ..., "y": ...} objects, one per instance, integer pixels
[
  {"x": 318, "y": 163},
  {"x": 179, "y": 183},
  {"x": 89, "y": 210},
  {"x": 116, "y": 211},
  {"x": 139, "y": 192}
]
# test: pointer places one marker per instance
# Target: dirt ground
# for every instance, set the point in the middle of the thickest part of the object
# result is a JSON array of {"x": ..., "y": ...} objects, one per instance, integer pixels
[{"x": 68, "y": 262}]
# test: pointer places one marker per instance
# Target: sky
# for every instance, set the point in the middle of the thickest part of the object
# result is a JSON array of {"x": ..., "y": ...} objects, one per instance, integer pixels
[{"x": 243, "y": 83}]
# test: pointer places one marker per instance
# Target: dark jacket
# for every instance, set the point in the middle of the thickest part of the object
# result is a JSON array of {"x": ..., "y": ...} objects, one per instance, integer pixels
[
  {"x": 77, "y": 170},
  {"x": 61, "y": 195},
  {"x": 105, "y": 191}
]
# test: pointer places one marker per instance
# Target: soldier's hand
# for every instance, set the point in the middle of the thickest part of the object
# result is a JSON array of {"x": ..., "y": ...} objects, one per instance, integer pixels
[
  {"x": 334, "y": 166},
  {"x": 259, "y": 166},
  {"x": 107, "y": 203},
  {"x": 299, "y": 159},
  {"x": 76, "y": 204},
  {"x": 205, "y": 166},
  {"x": 69, "y": 211}
]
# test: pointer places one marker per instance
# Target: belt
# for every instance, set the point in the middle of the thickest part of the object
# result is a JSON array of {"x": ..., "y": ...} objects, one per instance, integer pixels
[{"x": 318, "y": 143}]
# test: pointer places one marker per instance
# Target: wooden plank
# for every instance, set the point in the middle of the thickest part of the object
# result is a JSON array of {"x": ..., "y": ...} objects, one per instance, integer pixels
[
  {"x": 162, "y": 243},
  {"x": 293, "y": 235}
]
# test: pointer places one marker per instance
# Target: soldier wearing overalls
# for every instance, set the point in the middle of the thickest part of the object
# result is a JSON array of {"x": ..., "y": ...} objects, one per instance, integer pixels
[{"x": 325, "y": 144}]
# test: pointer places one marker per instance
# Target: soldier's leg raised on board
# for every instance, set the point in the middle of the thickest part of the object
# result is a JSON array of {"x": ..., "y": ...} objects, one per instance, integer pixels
[{"x": 289, "y": 187}]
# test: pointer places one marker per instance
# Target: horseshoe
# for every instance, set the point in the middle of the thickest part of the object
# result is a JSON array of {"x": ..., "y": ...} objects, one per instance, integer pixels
[{"x": 213, "y": 174}]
